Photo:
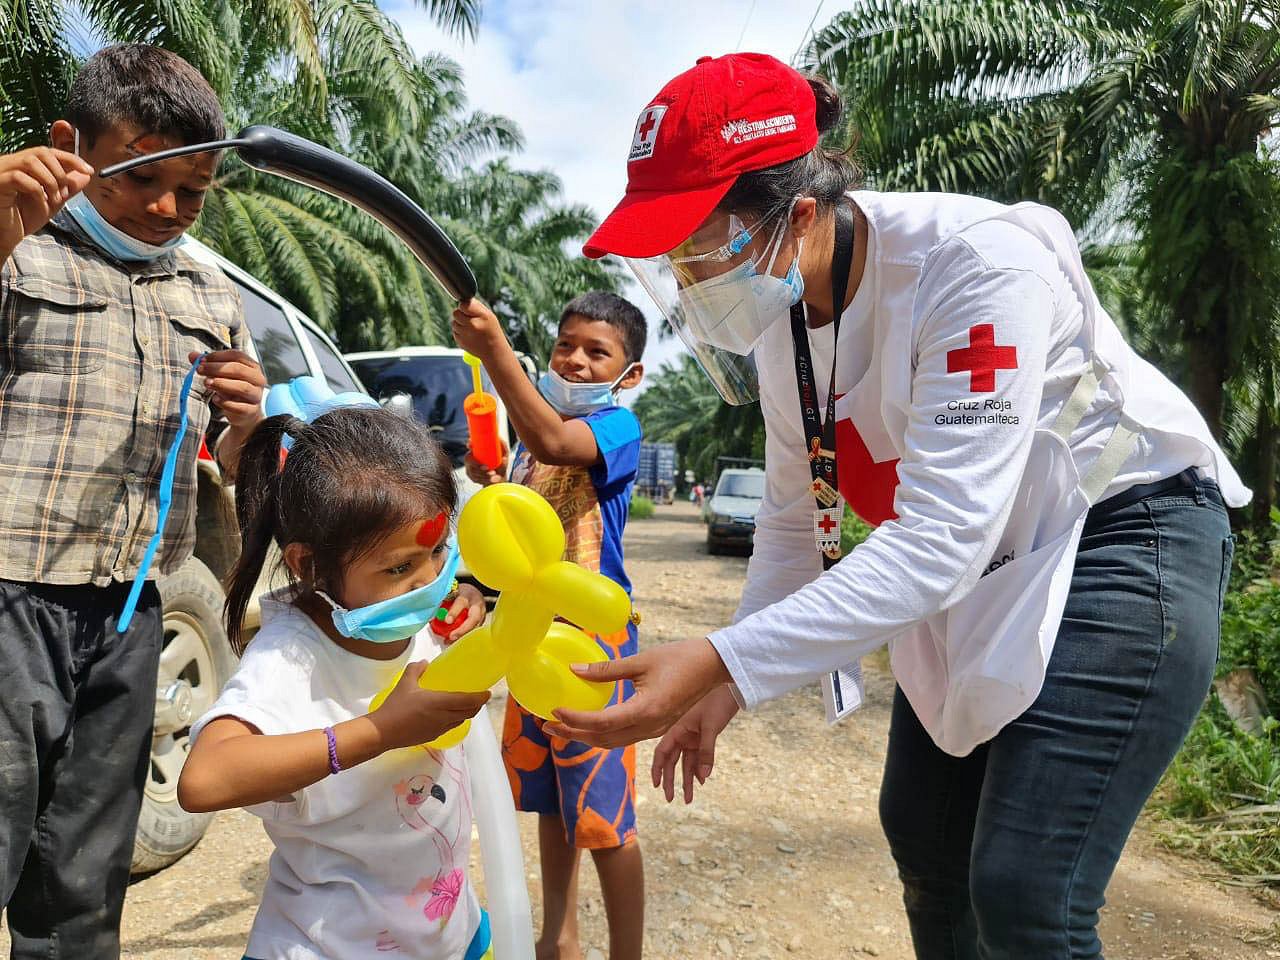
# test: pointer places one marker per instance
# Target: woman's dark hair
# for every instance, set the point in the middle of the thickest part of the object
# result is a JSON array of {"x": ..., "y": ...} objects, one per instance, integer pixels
[
  {"x": 351, "y": 478},
  {"x": 146, "y": 87},
  {"x": 822, "y": 173}
]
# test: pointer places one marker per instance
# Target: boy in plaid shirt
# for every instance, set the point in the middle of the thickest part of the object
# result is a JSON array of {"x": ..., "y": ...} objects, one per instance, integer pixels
[{"x": 100, "y": 319}]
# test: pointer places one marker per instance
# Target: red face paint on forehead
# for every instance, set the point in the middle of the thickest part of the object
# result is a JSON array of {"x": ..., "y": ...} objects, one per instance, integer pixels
[{"x": 429, "y": 534}]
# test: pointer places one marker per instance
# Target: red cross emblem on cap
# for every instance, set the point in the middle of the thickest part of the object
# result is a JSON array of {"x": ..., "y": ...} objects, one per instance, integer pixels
[
  {"x": 646, "y": 132},
  {"x": 982, "y": 358}
]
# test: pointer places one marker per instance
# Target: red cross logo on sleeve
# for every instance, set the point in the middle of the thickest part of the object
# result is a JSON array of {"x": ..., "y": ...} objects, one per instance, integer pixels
[{"x": 982, "y": 358}]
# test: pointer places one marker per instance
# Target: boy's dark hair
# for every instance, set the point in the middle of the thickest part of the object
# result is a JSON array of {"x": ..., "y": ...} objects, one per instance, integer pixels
[
  {"x": 623, "y": 315},
  {"x": 147, "y": 87},
  {"x": 822, "y": 173},
  {"x": 351, "y": 478}
]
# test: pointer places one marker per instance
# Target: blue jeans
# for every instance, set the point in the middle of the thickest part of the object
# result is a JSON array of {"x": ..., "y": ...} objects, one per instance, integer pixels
[{"x": 1005, "y": 854}]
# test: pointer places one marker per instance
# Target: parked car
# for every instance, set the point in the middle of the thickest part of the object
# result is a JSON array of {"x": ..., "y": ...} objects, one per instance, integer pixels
[
  {"x": 196, "y": 659},
  {"x": 435, "y": 381},
  {"x": 731, "y": 510}
]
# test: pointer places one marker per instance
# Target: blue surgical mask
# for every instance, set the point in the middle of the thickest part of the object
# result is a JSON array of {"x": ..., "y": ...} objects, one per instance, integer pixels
[
  {"x": 579, "y": 399},
  {"x": 399, "y": 618},
  {"x": 111, "y": 240}
]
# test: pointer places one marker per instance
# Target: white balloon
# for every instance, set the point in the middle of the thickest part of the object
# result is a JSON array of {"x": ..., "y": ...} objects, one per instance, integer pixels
[{"x": 510, "y": 917}]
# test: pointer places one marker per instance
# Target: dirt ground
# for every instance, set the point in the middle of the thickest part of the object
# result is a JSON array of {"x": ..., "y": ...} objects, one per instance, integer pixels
[{"x": 776, "y": 858}]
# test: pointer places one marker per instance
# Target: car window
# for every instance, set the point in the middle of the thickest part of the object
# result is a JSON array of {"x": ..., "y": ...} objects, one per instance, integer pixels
[
  {"x": 437, "y": 386},
  {"x": 278, "y": 349},
  {"x": 334, "y": 372},
  {"x": 741, "y": 485}
]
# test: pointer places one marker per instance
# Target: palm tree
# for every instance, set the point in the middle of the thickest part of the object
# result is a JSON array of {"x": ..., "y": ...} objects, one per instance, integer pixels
[
  {"x": 680, "y": 406},
  {"x": 335, "y": 262},
  {"x": 514, "y": 234},
  {"x": 338, "y": 72},
  {"x": 1068, "y": 102},
  {"x": 1149, "y": 114},
  {"x": 40, "y": 39},
  {"x": 358, "y": 280}
]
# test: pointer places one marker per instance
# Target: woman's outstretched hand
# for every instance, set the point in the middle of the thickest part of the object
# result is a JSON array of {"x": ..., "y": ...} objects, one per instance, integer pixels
[
  {"x": 668, "y": 679},
  {"x": 692, "y": 743}
]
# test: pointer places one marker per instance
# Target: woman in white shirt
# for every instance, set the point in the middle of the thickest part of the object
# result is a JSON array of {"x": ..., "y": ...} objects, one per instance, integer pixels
[{"x": 1051, "y": 542}]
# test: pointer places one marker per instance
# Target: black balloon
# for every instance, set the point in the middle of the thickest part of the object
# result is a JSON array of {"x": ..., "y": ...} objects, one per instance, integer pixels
[{"x": 296, "y": 158}]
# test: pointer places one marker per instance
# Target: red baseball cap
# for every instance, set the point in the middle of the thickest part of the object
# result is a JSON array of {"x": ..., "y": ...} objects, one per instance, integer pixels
[{"x": 726, "y": 116}]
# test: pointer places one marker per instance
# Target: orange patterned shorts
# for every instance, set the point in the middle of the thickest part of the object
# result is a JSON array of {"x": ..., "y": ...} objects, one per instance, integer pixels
[{"x": 591, "y": 789}]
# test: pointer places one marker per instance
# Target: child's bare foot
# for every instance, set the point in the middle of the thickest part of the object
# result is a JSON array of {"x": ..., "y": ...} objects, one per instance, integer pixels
[{"x": 557, "y": 951}]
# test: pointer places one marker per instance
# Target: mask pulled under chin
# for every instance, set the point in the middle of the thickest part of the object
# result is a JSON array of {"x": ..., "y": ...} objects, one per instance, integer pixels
[
  {"x": 579, "y": 399},
  {"x": 113, "y": 241},
  {"x": 399, "y": 618}
]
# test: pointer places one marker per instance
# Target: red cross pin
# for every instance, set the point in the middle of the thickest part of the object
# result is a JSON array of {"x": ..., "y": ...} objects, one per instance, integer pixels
[
  {"x": 828, "y": 523},
  {"x": 982, "y": 358}
]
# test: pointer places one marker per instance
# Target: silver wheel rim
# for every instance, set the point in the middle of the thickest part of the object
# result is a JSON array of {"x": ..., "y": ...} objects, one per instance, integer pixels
[{"x": 185, "y": 656}]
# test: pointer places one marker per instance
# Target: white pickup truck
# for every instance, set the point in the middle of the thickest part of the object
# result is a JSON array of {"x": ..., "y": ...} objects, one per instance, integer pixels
[{"x": 196, "y": 659}]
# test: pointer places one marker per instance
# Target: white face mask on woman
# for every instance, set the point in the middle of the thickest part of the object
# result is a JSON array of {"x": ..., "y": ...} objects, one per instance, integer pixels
[
  {"x": 722, "y": 318},
  {"x": 733, "y": 310}
]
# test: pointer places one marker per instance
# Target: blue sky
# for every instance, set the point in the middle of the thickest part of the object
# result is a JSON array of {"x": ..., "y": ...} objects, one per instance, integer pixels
[{"x": 575, "y": 74}]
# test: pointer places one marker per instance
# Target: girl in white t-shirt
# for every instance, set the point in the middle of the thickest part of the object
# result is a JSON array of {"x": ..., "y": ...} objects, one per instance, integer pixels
[{"x": 371, "y": 832}]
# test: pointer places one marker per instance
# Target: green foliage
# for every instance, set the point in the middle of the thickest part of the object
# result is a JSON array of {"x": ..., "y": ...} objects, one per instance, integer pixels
[
  {"x": 1146, "y": 123},
  {"x": 1251, "y": 611},
  {"x": 641, "y": 508},
  {"x": 1221, "y": 797},
  {"x": 341, "y": 73},
  {"x": 682, "y": 407},
  {"x": 853, "y": 530}
]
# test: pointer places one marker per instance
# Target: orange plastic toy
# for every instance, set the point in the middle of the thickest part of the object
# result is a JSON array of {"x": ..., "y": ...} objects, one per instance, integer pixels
[{"x": 482, "y": 419}]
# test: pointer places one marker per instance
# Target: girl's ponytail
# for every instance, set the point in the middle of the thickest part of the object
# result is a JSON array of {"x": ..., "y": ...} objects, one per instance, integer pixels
[{"x": 257, "y": 502}]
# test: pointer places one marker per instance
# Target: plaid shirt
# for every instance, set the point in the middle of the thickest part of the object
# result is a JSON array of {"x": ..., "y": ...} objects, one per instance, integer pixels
[{"x": 92, "y": 357}]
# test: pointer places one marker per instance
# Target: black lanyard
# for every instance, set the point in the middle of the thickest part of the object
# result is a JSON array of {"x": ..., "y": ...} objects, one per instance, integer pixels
[{"x": 820, "y": 435}]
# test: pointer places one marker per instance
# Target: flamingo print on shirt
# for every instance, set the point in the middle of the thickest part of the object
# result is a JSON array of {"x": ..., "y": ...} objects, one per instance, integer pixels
[{"x": 417, "y": 799}]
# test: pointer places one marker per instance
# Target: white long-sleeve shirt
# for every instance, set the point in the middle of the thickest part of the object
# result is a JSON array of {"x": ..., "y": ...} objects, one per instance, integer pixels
[{"x": 969, "y": 330}]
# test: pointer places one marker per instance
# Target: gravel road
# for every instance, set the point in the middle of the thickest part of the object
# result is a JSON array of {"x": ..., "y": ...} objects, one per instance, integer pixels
[{"x": 781, "y": 855}]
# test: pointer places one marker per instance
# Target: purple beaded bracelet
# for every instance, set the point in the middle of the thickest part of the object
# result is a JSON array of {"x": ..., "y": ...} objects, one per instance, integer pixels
[{"x": 334, "y": 765}]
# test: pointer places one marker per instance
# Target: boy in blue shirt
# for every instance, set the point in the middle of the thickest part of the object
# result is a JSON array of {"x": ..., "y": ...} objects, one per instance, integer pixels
[{"x": 579, "y": 450}]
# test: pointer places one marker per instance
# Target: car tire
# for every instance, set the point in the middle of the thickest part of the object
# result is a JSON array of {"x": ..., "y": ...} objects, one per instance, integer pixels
[
  {"x": 195, "y": 661},
  {"x": 713, "y": 547}
]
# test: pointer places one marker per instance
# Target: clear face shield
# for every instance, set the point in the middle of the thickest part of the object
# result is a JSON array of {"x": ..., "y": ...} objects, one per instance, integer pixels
[{"x": 719, "y": 295}]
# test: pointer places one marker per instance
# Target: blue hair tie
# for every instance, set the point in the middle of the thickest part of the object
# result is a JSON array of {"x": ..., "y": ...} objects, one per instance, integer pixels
[{"x": 307, "y": 398}]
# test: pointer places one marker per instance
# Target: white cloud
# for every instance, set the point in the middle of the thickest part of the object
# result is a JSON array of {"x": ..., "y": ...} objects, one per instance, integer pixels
[{"x": 574, "y": 74}]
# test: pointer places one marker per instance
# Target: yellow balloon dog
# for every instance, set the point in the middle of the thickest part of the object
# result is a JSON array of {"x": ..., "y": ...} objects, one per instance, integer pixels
[{"x": 512, "y": 540}]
